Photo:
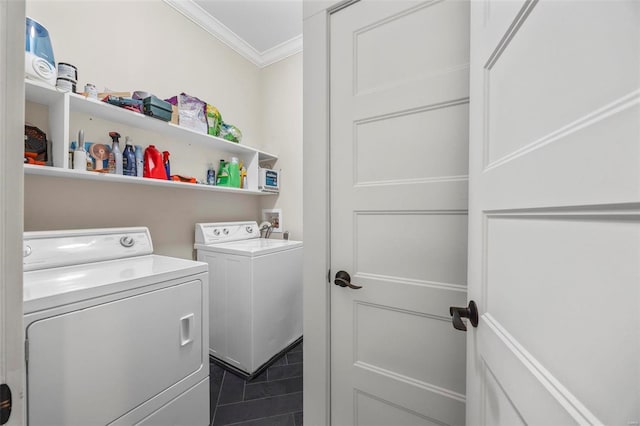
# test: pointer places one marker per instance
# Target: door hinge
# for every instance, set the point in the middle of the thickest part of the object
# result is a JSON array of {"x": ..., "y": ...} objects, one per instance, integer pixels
[
  {"x": 329, "y": 276},
  {"x": 5, "y": 403}
]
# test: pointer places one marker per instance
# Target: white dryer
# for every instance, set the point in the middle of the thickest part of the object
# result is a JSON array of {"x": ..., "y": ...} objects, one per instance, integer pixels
[
  {"x": 115, "y": 334},
  {"x": 255, "y": 290}
]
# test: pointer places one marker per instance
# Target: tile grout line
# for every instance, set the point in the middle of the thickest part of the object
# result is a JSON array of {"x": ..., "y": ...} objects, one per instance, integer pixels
[
  {"x": 292, "y": 414},
  {"x": 244, "y": 388},
  {"x": 267, "y": 382},
  {"x": 213, "y": 418},
  {"x": 257, "y": 399}
]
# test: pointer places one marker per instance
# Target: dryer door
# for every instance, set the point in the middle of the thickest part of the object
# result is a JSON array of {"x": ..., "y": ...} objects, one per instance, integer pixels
[{"x": 91, "y": 366}]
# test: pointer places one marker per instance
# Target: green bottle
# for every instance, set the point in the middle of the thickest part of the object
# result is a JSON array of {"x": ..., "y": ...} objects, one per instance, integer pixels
[
  {"x": 223, "y": 174},
  {"x": 234, "y": 173}
]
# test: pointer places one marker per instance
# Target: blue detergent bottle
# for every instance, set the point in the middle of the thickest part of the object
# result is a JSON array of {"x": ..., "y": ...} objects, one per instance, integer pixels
[
  {"x": 167, "y": 163},
  {"x": 128, "y": 159}
]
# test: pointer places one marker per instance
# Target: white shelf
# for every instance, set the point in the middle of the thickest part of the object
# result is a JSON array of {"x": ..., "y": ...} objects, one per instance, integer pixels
[
  {"x": 79, "y": 103},
  {"x": 62, "y": 104},
  {"x": 30, "y": 169},
  {"x": 42, "y": 93}
]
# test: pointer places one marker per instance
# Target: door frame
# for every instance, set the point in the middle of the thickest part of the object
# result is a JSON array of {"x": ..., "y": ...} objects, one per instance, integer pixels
[
  {"x": 12, "y": 35},
  {"x": 317, "y": 209}
]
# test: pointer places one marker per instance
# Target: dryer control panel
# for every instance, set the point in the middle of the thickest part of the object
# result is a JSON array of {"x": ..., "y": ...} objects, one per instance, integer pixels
[{"x": 51, "y": 249}]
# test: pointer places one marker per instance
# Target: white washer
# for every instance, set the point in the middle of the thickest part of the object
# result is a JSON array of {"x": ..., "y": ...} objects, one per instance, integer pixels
[
  {"x": 115, "y": 334},
  {"x": 255, "y": 294}
]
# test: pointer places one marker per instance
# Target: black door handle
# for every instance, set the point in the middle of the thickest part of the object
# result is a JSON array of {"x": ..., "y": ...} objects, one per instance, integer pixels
[
  {"x": 343, "y": 279},
  {"x": 470, "y": 312}
]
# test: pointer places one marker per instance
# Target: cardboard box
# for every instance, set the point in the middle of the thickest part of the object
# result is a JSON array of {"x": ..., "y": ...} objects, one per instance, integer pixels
[{"x": 175, "y": 115}]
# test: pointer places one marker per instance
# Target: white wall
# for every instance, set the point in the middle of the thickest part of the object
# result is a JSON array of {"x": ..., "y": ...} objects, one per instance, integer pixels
[
  {"x": 282, "y": 126},
  {"x": 147, "y": 45},
  {"x": 59, "y": 203}
]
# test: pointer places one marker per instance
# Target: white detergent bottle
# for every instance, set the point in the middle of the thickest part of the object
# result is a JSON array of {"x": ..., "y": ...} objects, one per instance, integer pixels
[
  {"x": 139, "y": 161},
  {"x": 80, "y": 155},
  {"x": 115, "y": 150}
]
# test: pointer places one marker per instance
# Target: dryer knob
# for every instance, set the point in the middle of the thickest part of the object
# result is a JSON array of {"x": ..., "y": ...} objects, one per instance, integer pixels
[
  {"x": 26, "y": 251},
  {"x": 127, "y": 241},
  {"x": 225, "y": 231},
  {"x": 249, "y": 230},
  {"x": 216, "y": 232}
]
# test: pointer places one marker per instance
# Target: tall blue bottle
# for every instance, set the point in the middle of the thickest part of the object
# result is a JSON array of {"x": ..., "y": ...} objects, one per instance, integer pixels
[
  {"x": 129, "y": 159},
  {"x": 167, "y": 164}
]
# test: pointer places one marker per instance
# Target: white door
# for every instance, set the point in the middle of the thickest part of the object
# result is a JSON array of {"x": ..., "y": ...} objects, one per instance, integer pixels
[
  {"x": 554, "y": 259},
  {"x": 12, "y": 32},
  {"x": 399, "y": 155}
]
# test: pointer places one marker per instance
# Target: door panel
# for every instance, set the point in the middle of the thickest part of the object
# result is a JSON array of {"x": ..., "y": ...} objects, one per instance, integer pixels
[
  {"x": 442, "y": 148},
  {"x": 399, "y": 145},
  {"x": 385, "y": 245},
  {"x": 376, "y": 324},
  {"x": 497, "y": 405},
  {"x": 380, "y": 63},
  {"x": 534, "y": 65},
  {"x": 554, "y": 225},
  {"x": 371, "y": 411},
  {"x": 589, "y": 267}
]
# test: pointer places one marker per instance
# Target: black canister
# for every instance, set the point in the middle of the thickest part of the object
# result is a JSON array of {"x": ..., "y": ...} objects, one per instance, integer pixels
[{"x": 68, "y": 71}]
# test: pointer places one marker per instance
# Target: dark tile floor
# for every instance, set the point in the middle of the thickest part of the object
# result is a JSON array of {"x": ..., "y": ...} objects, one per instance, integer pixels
[{"x": 274, "y": 398}]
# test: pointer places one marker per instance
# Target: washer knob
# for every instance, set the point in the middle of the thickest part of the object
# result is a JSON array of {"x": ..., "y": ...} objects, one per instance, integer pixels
[
  {"x": 26, "y": 251},
  {"x": 127, "y": 241},
  {"x": 249, "y": 230},
  {"x": 225, "y": 231},
  {"x": 216, "y": 232}
]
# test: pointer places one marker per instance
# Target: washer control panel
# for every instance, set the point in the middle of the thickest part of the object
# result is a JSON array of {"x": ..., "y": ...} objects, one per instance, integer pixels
[{"x": 222, "y": 232}]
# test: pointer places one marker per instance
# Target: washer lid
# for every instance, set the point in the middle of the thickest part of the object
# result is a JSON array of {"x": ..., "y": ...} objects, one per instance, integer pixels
[
  {"x": 253, "y": 247},
  {"x": 46, "y": 288}
]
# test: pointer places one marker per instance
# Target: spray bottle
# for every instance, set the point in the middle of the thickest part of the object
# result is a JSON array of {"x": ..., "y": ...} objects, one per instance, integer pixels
[{"x": 116, "y": 154}]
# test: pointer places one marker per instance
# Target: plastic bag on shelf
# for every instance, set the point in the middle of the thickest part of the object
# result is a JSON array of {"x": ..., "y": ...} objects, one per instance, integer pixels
[
  {"x": 191, "y": 112},
  {"x": 214, "y": 120},
  {"x": 230, "y": 132}
]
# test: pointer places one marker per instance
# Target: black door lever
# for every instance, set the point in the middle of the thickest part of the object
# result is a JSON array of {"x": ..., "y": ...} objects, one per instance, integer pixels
[
  {"x": 470, "y": 312},
  {"x": 343, "y": 279}
]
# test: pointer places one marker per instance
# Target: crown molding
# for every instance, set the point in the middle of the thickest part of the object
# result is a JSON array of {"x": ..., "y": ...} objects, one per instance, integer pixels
[
  {"x": 281, "y": 51},
  {"x": 200, "y": 17}
]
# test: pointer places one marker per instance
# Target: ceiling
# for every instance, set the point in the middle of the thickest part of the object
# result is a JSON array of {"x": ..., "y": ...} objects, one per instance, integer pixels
[{"x": 263, "y": 31}]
